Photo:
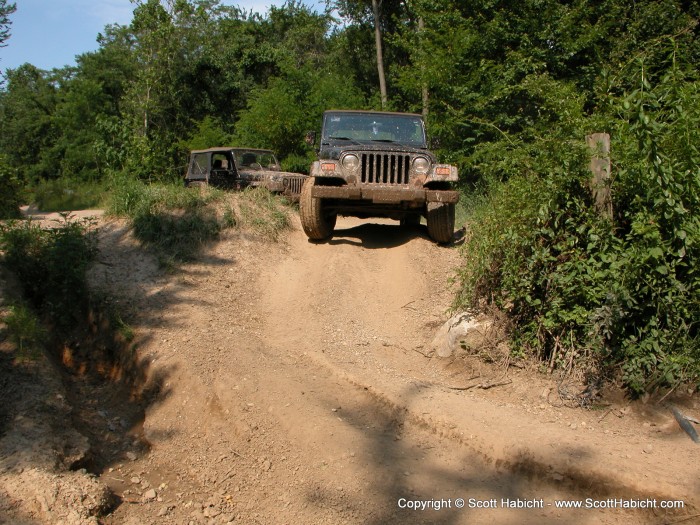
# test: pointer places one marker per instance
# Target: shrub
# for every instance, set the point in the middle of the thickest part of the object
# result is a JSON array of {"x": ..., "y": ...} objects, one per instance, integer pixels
[
  {"x": 298, "y": 163},
  {"x": 585, "y": 293},
  {"x": 25, "y": 330},
  {"x": 51, "y": 265},
  {"x": 9, "y": 191}
]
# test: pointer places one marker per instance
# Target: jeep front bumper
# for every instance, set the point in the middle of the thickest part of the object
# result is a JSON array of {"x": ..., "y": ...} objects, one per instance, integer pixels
[{"x": 386, "y": 195}]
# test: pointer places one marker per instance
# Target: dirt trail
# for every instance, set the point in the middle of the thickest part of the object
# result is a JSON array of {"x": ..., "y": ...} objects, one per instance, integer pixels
[
  {"x": 294, "y": 387},
  {"x": 299, "y": 392}
]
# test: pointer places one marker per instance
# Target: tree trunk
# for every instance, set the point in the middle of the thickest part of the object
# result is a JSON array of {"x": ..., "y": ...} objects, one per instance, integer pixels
[
  {"x": 380, "y": 58},
  {"x": 424, "y": 84}
]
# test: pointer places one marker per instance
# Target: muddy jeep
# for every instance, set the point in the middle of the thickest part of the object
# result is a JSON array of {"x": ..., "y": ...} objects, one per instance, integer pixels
[
  {"x": 239, "y": 168},
  {"x": 377, "y": 164}
]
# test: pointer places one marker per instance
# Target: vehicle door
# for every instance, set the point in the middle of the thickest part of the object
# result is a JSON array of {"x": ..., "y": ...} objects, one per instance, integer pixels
[{"x": 223, "y": 172}]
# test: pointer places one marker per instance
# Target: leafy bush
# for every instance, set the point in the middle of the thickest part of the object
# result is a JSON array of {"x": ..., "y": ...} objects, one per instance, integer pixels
[
  {"x": 51, "y": 264},
  {"x": 585, "y": 293},
  {"x": 9, "y": 191},
  {"x": 25, "y": 330},
  {"x": 210, "y": 133},
  {"x": 298, "y": 163},
  {"x": 652, "y": 310}
]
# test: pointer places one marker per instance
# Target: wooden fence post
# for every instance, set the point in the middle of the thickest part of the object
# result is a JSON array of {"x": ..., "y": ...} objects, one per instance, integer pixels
[{"x": 599, "y": 144}]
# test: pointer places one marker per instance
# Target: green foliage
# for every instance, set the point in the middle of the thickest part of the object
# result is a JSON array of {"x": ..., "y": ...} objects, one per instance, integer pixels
[
  {"x": 5, "y": 11},
  {"x": 25, "y": 331},
  {"x": 653, "y": 308},
  {"x": 67, "y": 195},
  {"x": 28, "y": 132},
  {"x": 51, "y": 265},
  {"x": 209, "y": 133},
  {"x": 9, "y": 191},
  {"x": 584, "y": 292},
  {"x": 279, "y": 115},
  {"x": 298, "y": 163}
]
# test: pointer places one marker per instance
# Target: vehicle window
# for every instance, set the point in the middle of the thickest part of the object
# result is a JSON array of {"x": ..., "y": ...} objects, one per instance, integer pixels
[
  {"x": 266, "y": 160},
  {"x": 219, "y": 161},
  {"x": 248, "y": 158},
  {"x": 200, "y": 164}
]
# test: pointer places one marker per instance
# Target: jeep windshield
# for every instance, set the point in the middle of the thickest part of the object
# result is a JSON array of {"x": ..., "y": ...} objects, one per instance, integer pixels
[
  {"x": 364, "y": 128},
  {"x": 255, "y": 159}
]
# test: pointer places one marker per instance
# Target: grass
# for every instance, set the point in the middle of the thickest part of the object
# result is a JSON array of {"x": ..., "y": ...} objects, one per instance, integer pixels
[
  {"x": 263, "y": 212},
  {"x": 178, "y": 222}
]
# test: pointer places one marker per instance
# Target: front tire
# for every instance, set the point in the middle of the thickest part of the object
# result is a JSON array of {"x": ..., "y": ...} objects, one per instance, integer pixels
[
  {"x": 441, "y": 221},
  {"x": 317, "y": 222}
]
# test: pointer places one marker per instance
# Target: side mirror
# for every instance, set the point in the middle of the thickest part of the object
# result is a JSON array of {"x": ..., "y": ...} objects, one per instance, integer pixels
[{"x": 310, "y": 138}]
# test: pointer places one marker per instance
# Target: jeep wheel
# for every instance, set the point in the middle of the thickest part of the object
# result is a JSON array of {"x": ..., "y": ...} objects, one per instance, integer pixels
[
  {"x": 441, "y": 221},
  {"x": 318, "y": 224}
]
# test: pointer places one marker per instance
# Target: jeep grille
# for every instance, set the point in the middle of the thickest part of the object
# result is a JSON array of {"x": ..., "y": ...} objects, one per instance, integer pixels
[
  {"x": 292, "y": 185},
  {"x": 385, "y": 168}
]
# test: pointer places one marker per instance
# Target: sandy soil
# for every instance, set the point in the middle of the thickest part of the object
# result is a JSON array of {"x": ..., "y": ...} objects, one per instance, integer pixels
[{"x": 292, "y": 382}]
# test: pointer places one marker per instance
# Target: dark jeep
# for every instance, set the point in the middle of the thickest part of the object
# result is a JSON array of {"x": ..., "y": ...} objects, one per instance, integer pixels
[
  {"x": 239, "y": 168},
  {"x": 377, "y": 164}
]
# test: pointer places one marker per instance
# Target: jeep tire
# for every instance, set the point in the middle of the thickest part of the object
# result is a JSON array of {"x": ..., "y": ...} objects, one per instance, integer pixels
[
  {"x": 440, "y": 217},
  {"x": 317, "y": 223}
]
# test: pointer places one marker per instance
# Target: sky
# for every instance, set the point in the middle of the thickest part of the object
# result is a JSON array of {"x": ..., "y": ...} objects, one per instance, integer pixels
[{"x": 50, "y": 33}]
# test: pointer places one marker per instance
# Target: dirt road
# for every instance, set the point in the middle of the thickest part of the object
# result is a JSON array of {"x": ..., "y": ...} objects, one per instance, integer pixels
[{"x": 291, "y": 382}]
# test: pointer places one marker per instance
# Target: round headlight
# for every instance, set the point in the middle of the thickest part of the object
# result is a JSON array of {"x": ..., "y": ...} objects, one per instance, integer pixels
[
  {"x": 351, "y": 162},
  {"x": 421, "y": 165}
]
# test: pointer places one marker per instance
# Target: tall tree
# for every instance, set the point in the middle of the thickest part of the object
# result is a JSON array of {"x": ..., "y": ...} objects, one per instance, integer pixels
[
  {"x": 382, "y": 16},
  {"x": 5, "y": 11},
  {"x": 380, "y": 54},
  {"x": 27, "y": 109}
]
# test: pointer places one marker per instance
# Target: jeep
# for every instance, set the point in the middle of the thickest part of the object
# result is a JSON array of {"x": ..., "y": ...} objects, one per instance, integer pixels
[
  {"x": 239, "y": 168},
  {"x": 377, "y": 164}
]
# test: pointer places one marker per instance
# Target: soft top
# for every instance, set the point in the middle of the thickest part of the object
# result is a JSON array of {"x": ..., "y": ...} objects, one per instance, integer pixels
[{"x": 220, "y": 149}]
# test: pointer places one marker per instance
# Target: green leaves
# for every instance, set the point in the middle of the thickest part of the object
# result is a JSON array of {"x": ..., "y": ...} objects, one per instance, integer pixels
[
  {"x": 51, "y": 265},
  {"x": 626, "y": 294}
]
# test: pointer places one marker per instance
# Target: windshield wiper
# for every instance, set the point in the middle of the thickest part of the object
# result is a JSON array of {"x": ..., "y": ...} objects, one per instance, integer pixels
[{"x": 343, "y": 138}]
